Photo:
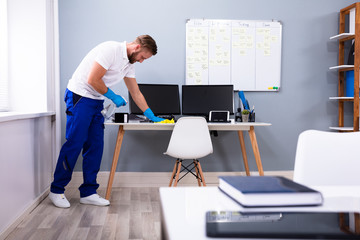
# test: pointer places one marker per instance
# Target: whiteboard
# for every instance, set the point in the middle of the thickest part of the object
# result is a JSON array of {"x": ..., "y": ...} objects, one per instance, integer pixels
[{"x": 245, "y": 53}]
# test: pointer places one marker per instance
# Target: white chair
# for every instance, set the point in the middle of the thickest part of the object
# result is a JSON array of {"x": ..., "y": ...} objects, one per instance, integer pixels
[
  {"x": 190, "y": 139},
  {"x": 327, "y": 158}
]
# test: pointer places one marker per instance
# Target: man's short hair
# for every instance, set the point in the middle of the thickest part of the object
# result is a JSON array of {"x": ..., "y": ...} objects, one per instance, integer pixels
[{"x": 147, "y": 42}]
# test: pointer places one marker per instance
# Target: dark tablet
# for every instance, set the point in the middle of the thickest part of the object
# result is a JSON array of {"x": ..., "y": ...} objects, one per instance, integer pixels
[{"x": 305, "y": 225}]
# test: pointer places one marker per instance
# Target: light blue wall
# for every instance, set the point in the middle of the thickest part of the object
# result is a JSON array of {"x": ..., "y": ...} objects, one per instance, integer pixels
[{"x": 306, "y": 83}]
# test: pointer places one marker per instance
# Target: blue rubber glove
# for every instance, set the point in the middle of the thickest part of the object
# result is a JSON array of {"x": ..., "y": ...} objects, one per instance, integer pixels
[
  {"x": 117, "y": 99},
  {"x": 150, "y": 115}
]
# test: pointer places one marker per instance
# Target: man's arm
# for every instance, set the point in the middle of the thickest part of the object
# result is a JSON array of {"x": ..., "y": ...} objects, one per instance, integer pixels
[
  {"x": 139, "y": 99},
  {"x": 136, "y": 94},
  {"x": 96, "y": 74}
]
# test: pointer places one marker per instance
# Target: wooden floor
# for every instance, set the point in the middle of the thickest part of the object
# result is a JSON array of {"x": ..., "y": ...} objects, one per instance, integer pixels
[{"x": 134, "y": 213}]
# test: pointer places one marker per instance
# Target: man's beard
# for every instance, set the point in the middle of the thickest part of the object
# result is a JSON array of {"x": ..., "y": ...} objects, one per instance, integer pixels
[{"x": 132, "y": 57}]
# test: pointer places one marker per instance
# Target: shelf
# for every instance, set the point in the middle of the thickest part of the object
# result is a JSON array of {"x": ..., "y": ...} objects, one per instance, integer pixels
[
  {"x": 342, "y": 36},
  {"x": 345, "y": 129},
  {"x": 342, "y": 98},
  {"x": 342, "y": 67}
]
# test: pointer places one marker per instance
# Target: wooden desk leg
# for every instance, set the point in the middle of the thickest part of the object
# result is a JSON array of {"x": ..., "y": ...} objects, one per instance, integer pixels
[
  {"x": 243, "y": 151},
  {"x": 256, "y": 150},
  {"x": 119, "y": 139}
]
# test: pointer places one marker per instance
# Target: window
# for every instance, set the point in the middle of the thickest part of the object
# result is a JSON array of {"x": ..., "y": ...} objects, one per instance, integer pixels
[
  {"x": 28, "y": 82},
  {"x": 4, "y": 99}
]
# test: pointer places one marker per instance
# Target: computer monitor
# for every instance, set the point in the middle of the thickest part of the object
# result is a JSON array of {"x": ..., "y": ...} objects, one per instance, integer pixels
[
  {"x": 201, "y": 99},
  {"x": 163, "y": 99}
]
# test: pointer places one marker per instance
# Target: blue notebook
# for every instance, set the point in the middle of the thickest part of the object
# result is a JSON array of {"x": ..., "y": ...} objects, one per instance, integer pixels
[{"x": 265, "y": 191}]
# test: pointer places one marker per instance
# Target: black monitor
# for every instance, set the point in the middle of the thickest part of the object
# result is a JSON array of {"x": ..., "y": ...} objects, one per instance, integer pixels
[
  {"x": 163, "y": 99},
  {"x": 201, "y": 99}
]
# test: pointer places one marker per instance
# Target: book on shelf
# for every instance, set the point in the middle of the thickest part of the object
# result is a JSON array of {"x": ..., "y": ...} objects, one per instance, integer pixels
[{"x": 268, "y": 191}]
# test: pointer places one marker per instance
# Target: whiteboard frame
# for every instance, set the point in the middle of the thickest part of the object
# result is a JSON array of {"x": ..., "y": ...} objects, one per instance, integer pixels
[{"x": 204, "y": 73}]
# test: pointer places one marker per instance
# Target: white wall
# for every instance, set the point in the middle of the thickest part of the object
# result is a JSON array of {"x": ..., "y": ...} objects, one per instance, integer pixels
[
  {"x": 306, "y": 82},
  {"x": 25, "y": 165}
]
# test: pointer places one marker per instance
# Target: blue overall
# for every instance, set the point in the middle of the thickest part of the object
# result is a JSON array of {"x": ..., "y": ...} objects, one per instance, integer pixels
[{"x": 84, "y": 131}]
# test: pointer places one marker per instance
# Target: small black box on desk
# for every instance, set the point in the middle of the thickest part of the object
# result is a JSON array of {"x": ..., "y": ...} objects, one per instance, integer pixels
[{"x": 121, "y": 117}]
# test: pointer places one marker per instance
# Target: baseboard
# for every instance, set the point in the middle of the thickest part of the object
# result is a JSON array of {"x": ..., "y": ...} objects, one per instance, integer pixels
[
  {"x": 26, "y": 212},
  {"x": 162, "y": 179}
]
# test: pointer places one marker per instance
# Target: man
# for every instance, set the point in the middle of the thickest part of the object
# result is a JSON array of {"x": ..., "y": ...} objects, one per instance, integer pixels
[{"x": 105, "y": 65}]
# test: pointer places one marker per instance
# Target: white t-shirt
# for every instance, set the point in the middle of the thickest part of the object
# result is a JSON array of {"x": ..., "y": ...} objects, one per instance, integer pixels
[{"x": 110, "y": 55}]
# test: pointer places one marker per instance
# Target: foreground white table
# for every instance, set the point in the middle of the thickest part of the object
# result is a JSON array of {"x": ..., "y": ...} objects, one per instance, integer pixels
[
  {"x": 184, "y": 208},
  {"x": 239, "y": 127}
]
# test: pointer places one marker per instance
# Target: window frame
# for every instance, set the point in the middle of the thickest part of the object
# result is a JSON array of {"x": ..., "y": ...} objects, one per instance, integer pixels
[{"x": 4, "y": 82}]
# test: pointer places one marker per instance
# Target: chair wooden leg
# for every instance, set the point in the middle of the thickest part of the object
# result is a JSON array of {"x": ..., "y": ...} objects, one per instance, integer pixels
[
  {"x": 173, "y": 173},
  {"x": 197, "y": 173},
  {"x": 177, "y": 173},
  {"x": 201, "y": 173}
]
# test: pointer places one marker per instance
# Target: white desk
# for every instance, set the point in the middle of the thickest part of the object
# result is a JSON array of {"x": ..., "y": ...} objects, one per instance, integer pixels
[
  {"x": 183, "y": 208},
  {"x": 239, "y": 127}
]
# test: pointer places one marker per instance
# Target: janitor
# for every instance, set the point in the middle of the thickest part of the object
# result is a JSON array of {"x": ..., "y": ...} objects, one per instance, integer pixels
[{"x": 105, "y": 65}]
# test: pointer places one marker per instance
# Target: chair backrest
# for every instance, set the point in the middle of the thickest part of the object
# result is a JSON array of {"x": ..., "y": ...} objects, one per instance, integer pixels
[
  {"x": 190, "y": 139},
  {"x": 327, "y": 158}
]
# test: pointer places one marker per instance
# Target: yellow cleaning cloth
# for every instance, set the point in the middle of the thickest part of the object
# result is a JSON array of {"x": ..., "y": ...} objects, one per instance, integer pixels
[{"x": 167, "y": 121}]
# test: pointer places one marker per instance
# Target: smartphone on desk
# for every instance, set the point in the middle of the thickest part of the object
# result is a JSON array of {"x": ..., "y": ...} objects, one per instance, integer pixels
[{"x": 289, "y": 225}]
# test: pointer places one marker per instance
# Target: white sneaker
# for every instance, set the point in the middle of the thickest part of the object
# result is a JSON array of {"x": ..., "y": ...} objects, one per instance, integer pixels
[
  {"x": 95, "y": 199},
  {"x": 59, "y": 200}
]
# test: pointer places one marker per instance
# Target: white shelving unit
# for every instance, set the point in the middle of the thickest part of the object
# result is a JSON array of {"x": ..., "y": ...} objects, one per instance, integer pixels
[{"x": 352, "y": 13}]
